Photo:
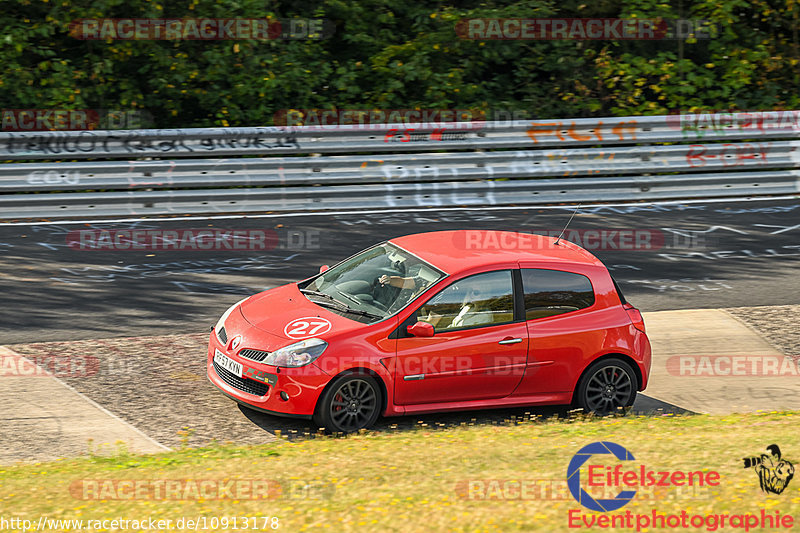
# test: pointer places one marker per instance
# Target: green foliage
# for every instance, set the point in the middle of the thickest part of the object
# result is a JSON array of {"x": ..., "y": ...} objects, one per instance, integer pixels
[{"x": 394, "y": 54}]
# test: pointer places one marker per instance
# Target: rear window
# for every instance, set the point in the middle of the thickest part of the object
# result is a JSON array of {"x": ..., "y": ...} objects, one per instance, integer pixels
[{"x": 554, "y": 292}]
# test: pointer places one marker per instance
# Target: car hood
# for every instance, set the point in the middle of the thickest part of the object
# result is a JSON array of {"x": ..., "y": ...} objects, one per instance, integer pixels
[{"x": 286, "y": 313}]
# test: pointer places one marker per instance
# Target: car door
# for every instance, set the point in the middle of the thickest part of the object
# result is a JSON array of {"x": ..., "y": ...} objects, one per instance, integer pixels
[
  {"x": 563, "y": 327},
  {"x": 478, "y": 350}
]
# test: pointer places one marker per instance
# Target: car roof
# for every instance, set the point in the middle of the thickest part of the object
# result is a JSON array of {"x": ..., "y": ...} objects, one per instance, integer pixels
[{"x": 461, "y": 250}]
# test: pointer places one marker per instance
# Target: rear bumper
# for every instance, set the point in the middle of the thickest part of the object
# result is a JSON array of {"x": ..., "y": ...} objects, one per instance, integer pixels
[{"x": 644, "y": 351}]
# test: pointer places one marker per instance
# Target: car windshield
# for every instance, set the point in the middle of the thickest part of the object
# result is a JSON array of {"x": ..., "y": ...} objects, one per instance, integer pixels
[{"x": 373, "y": 284}]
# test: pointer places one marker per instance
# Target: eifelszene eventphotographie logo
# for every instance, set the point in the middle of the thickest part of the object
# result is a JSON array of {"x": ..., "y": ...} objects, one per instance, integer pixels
[
  {"x": 774, "y": 472},
  {"x": 604, "y": 477}
]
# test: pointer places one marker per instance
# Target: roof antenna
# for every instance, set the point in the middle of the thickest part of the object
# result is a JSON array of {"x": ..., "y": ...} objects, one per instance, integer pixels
[{"x": 568, "y": 221}]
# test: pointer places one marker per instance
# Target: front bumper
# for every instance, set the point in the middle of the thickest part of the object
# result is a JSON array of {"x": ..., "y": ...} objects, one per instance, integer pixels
[{"x": 261, "y": 385}]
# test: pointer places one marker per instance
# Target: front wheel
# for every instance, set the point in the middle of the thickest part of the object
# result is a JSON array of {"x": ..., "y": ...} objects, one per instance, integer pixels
[
  {"x": 607, "y": 386},
  {"x": 350, "y": 403}
]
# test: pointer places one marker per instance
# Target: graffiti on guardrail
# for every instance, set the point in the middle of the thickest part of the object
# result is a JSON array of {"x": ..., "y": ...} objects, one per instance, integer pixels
[
  {"x": 461, "y": 177},
  {"x": 625, "y": 130},
  {"x": 142, "y": 142},
  {"x": 730, "y": 155},
  {"x": 412, "y": 135},
  {"x": 52, "y": 177},
  {"x": 524, "y": 162}
]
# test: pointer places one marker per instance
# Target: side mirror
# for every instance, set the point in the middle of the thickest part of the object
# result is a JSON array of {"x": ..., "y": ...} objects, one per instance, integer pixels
[
  {"x": 421, "y": 329},
  {"x": 323, "y": 268}
]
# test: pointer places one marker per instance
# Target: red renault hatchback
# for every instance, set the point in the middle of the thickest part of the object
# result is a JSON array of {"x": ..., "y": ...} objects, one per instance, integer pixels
[{"x": 450, "y": 320}]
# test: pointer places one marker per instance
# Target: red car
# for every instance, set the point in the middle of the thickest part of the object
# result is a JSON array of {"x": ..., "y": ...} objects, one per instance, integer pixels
[{"x": 441, "y": 321}]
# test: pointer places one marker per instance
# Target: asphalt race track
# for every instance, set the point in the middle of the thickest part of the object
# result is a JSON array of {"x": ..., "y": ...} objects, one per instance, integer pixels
[
  {"x": 66, "y": 302},
  {"x": 703, "y": 255}
]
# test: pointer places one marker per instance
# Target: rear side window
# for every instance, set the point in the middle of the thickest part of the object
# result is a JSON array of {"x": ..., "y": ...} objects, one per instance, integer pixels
[{"x": 553, "y": 292}]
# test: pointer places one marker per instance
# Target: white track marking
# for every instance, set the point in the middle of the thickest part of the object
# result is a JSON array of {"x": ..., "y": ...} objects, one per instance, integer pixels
[{"x": 401, "y": 210}]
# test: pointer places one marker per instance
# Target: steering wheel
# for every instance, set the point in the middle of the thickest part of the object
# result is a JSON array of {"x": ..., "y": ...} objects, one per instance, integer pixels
[
  {"x": 384, "y": 294},
  {"x": 377, "y": 289}
]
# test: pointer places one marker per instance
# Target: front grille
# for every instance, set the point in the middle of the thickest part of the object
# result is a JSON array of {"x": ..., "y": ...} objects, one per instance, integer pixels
[
  {"x": 245, "y": 385},
  {"x": 253, "y": 355},
  {"x": 223, "y": 336}
]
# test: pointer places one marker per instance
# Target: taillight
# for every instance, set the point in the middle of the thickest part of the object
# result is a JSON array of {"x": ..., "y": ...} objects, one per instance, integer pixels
[{"x": 636, "y": 317}]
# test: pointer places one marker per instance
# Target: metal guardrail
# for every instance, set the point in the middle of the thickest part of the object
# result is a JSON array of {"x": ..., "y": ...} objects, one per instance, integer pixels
[{"x": 143, "y": 172}]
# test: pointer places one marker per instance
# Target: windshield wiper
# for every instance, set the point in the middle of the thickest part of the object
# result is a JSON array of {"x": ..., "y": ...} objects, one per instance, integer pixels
[
  {"x": 344, "y": 308},
  {"x": 320, "y": 294},
  {"x": 341, "y": 306},
  {"x": 360, "y": 312},
  {"x": 351, "y": 298}
]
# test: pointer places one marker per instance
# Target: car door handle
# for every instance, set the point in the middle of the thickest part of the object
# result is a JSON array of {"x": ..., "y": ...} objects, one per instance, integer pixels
[{"x": 510, "y": 341}]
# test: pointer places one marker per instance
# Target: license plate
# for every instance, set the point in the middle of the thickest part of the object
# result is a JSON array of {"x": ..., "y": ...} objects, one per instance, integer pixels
[{"x": 227, "y": 363}]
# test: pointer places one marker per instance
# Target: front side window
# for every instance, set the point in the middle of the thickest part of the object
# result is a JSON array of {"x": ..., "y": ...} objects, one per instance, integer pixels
[
  {"x": 479, "y": 300},
  {"x": 554, "y": 292}
]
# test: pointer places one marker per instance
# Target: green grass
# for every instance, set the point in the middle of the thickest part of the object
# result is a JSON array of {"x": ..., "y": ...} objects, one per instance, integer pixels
[{"x": 406, "y": 480}]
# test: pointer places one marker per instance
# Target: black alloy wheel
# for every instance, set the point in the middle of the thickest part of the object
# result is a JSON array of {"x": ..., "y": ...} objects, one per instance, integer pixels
[
  {"x": 350, "y": 403},
  {"x": 608, "y": 386}
]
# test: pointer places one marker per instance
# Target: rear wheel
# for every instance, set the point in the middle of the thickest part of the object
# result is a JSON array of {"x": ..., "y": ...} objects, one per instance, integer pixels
[
  {"x": 350, "y": 403},
  {"x": 607, "y": 386}
]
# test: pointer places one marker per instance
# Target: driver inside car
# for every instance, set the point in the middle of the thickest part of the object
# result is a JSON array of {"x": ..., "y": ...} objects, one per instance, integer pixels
[
  {"x": 398, "y": 281},
  {"x": 406, "y": 288}
]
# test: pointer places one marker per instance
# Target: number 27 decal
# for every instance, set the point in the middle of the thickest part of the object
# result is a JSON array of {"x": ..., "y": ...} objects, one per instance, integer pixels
[{"x": 308, "y": 326}]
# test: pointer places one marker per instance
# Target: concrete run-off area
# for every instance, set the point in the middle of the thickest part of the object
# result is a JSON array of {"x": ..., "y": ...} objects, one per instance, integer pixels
[{"x": 145, "y": 394}]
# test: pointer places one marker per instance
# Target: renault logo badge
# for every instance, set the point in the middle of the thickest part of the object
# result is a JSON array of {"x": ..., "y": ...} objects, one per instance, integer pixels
[{"x": 237, "y": 340}]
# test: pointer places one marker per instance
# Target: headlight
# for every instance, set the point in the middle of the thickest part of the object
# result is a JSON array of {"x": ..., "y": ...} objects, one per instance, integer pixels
[
  {"x": 224, "y": 317},
  {"x": 297, "y": 354}
]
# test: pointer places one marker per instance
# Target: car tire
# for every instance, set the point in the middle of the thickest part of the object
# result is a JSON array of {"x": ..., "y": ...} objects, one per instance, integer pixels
[
  {"x": 350, "y": 403},
  {"x": 607, "y": 386}
]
